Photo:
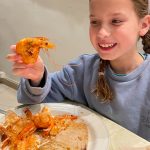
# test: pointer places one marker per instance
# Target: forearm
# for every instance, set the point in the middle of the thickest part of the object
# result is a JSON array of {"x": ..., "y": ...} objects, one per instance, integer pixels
[
  {"x": 55, "y": 87},
  {"x": 27, "y": 93}
]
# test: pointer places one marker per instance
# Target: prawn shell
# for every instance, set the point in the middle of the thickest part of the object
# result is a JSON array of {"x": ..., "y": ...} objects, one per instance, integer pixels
[{"x": 29, "y": 48}]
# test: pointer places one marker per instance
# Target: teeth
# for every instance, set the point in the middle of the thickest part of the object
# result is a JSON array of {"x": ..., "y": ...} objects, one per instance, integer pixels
[{"x": 106, "y": 45}]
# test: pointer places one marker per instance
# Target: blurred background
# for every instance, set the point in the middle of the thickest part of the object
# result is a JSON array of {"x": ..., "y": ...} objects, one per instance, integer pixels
[{"x": 64, "y": 22}]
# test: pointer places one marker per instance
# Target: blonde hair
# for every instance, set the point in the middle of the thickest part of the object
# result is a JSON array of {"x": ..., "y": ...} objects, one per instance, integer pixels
[{"x": 103, "y": 90}]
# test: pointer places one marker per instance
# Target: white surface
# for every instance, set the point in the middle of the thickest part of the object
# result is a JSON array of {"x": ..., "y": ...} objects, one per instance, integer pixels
[
  {"x": 64, "y": 22},
  {"x": 98, "y": 135},
  {"x": 8, "y": 97},
  {"x": 2, "y": 74}
]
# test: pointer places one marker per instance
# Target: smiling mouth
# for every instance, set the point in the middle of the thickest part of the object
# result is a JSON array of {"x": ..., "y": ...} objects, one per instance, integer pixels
[{"x": 107, "y": 46}]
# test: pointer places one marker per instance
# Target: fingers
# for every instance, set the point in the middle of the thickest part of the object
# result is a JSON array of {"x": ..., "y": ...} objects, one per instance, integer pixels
[
  {"x": 13, "y": 48},
  {"x": 19, "y": 65},
  {"x": 19, "y": 72},
  {"x": 21, "y": 69},
  {"x": 24, "y": 71},
  {"x": 14, "y": 58}
]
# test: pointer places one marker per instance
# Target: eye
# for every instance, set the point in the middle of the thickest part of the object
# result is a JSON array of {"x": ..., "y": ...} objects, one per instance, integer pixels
[
  {"x": 94, "y": 22},
  {"x": 116, "y": 21}
]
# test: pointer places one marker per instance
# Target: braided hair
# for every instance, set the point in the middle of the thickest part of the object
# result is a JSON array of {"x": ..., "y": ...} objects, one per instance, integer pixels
[{"x": 103, "y": 90}]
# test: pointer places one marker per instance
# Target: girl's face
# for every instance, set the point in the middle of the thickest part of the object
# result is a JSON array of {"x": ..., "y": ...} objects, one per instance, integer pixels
[{"x": 114, "y": 28}]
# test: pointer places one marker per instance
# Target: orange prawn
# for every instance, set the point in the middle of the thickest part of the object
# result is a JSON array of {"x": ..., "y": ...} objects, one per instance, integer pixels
[
  {"x": 29, "y": 48},
  {"x": 26, "y": 132}
]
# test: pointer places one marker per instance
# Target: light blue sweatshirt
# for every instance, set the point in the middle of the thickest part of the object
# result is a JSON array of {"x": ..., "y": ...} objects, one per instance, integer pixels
[{"x": 129, "y": 108}]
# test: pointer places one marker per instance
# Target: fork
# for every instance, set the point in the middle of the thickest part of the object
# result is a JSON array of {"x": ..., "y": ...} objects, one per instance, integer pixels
[{"x": 3, "y": 111}]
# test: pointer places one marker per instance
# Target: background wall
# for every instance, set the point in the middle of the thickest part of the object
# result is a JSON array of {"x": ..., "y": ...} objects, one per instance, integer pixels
[{"x": 64, "y": 22}]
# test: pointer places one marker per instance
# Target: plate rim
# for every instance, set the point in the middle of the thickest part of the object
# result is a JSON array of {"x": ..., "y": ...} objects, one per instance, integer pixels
[{"x": 78, "y": 106}]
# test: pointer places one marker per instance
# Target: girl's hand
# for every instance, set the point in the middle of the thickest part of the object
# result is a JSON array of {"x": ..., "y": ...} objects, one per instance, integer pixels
[{"x": 34, "y": 72}]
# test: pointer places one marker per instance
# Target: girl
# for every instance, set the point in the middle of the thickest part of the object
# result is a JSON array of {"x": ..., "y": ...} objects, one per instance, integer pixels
[{"x": 114, "y": 82}]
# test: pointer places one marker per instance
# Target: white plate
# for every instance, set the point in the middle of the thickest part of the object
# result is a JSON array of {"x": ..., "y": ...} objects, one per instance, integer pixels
[{"x": 98, "y": 135}]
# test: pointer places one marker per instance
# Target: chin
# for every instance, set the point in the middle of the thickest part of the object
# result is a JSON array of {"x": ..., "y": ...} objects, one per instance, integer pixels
[{"x": 106, "y": 57}]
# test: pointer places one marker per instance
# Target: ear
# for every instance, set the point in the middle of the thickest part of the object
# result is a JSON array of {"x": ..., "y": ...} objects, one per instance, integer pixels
[{"x": 144, "y": 25}]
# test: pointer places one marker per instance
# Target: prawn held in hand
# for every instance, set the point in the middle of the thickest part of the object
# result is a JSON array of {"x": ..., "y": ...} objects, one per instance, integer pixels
[{"x": 29, "y": 48}]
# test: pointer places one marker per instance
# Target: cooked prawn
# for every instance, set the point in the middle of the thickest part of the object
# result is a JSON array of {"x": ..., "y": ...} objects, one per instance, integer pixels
[
  {"x": 43, "y": 119},
  {"x": 20, "y": 132},
  {"x": 29, "y": 48}
]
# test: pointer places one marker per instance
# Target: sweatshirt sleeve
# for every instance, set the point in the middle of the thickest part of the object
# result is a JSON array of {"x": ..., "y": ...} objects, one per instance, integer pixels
[
  {"x": 28, "y": 94},
  {"x": 64, "y": 84}
]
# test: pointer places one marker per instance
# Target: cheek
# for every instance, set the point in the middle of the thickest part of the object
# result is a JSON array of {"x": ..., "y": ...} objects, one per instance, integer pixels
[
  {"x": 128, "y": 37},
  {"x": 92, "y": 35}
]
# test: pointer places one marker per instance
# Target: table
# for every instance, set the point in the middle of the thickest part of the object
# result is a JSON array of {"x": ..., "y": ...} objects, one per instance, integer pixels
[
  {"x": 123, "y": 139},
  {"x": 119, "y": 137}
]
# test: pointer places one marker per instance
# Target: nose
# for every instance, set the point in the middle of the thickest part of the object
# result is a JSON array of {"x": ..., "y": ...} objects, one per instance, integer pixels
[{"x": 104, "y": 32}]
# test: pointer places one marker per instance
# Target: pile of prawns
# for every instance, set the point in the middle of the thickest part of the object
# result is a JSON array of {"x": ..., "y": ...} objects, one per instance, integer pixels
[{"x": 26, "y": 131}]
